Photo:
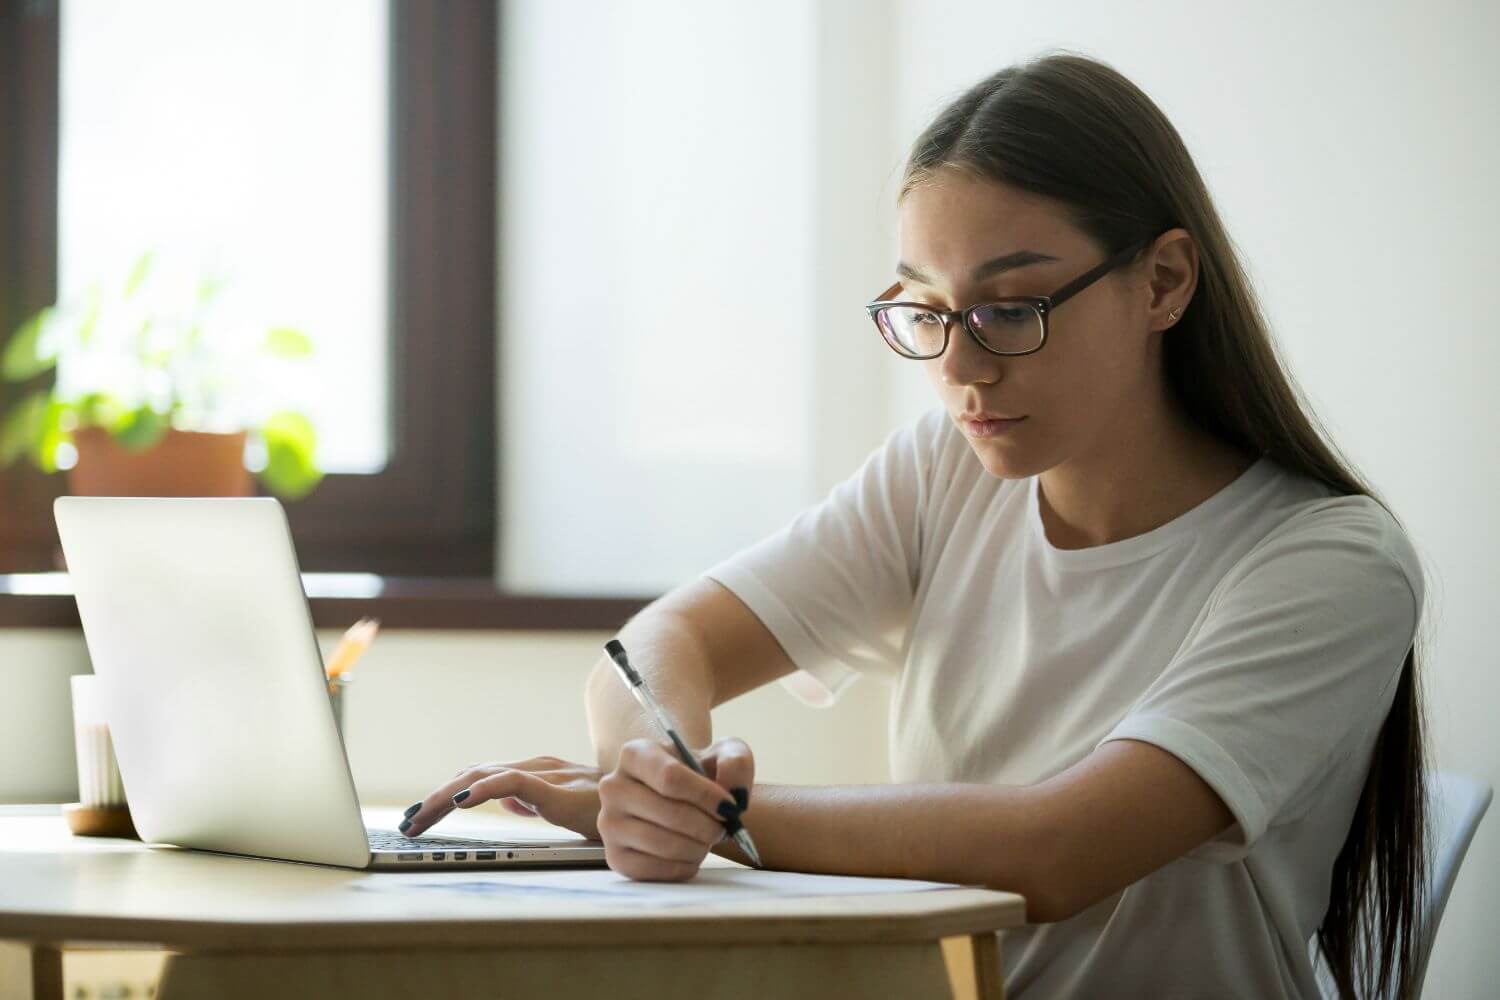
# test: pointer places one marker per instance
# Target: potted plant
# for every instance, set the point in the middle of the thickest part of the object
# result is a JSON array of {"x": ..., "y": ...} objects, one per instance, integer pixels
[{"x": 158, "y": 393}]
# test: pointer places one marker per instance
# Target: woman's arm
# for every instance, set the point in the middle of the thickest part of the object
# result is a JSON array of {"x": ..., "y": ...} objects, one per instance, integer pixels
[
  {"x": 696, "y": 648},
  {"x": 1121, "y": 813},
  {"x": 1066, "y": 843}
]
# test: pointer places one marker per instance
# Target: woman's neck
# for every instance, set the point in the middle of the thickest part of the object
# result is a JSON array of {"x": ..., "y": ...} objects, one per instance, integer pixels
[{"x": 1148, "y": 475}]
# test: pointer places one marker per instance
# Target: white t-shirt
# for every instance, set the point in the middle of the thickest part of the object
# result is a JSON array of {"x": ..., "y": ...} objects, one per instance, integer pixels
[{"x": 1258, "y": 637}]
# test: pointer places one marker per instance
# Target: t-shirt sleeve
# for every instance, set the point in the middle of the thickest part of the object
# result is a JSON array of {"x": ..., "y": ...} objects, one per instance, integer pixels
[
  {"x": 1291, "y": 668},
  {"x": 836, "y": 585}
]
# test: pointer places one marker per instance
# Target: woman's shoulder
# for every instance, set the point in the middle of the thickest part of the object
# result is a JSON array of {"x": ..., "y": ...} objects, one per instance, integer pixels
[
  {"x": 1315, "y": 524},
  {"x": 1313, "y": 508}
]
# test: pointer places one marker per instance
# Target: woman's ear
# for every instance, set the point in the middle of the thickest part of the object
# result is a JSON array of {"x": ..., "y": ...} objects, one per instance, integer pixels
[{"x": 1173, "y": 276}]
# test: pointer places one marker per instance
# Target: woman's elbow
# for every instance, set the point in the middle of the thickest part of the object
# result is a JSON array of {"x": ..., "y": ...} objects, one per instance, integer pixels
[
  {"x": 1048, "y": 905},
  {"x": 1048, "y": 880}
]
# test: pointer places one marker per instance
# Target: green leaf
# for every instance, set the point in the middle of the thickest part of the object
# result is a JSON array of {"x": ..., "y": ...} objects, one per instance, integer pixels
[
  {"x": 285, "y": 342},
  {"x": 291, "y": 444},
  {"x": 138, "y": 272},
  {"x": 292, "y": 427},
  {"x": 100, "y": 409},
  {"x": 22, "y": 428},
  {"x": 140, "y": 429},
  {"x": 23, "y": 357}
]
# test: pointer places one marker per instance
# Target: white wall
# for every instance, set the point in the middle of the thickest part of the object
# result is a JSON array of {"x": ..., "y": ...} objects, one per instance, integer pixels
[
  {"x": 1352, "y": 149},
  {"x": 692, "y": 212}
]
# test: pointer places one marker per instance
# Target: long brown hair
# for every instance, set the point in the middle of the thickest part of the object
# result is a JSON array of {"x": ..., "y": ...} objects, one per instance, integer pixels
[{"x": 1073, "y": 129}]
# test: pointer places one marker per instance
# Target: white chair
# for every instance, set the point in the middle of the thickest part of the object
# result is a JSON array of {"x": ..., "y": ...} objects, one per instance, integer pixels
[{"x": 1455, "y": 805}]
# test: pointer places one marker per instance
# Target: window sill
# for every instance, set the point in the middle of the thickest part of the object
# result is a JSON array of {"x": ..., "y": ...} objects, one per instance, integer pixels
[{"x": 337, "y": 600}]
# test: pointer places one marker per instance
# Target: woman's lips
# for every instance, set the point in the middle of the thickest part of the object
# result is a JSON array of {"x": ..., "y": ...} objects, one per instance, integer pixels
[{"x": 991, "y": 428}]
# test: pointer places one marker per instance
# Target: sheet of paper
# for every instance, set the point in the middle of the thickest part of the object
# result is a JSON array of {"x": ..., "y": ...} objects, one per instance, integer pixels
[{"x": 600, "y": 885}]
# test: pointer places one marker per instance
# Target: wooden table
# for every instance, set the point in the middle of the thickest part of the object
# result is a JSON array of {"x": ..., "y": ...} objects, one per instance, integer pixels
[{"x": 238, "y": 928}]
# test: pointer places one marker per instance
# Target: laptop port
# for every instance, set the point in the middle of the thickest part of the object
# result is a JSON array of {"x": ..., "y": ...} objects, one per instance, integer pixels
[
  {"x": 410, "y": 857},
  {"x": 439, "y": 855},
  {"x": 460, "y": 855},
  {"x": 484, "y": 855}
]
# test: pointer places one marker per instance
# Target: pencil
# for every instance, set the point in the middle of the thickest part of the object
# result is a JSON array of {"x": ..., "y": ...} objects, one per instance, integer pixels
[{"x": 351, "y": 647}]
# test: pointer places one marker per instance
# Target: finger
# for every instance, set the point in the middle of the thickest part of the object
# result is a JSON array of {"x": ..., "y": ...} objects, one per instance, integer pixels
[
  {"x": 646, "y": 868},
  {"x": 544, "y": 763},
  {"x": 429, "y": 811},
  {"x": 648, "y": 838},
  {"x": 518, "y": 806},
  {"x": 734, "y": 768},
  {"x": 629, "y": 797},
  {"x": 439, "y": 802},
  {"x": 504, "y": 785},
  {"x": 660, "y": 769}
]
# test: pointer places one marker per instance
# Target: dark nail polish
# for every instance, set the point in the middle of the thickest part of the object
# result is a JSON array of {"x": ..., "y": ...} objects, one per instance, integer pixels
[
  {"x": 405, "y": 824},
  {"x": 741, "y": 797},
  {"x": 413, "y": 809},
  {"x": 461, "y": 795}
]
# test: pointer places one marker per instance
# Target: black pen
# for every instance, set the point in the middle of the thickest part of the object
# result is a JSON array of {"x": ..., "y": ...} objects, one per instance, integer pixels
[{"x": 653, "y": 708}]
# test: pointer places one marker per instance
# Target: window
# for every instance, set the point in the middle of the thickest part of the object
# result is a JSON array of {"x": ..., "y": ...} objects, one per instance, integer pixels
[
  {"x": 271, "y": 168},
  {"x": 411, "y": 284},
  {"x": 687, "y": 243}
]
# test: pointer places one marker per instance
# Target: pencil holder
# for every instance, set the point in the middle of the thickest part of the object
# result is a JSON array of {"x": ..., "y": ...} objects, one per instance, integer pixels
[
  {"x": 101, "y": 809},
  {"x": 338, "y": 694}
]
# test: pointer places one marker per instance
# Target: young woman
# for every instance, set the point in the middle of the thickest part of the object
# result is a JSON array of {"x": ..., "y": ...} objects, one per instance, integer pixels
[{"x": 1151, "y": 640}]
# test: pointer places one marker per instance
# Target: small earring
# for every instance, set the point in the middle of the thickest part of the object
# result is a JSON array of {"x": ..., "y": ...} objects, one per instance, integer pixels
[{"x": 1173, "y": 314}]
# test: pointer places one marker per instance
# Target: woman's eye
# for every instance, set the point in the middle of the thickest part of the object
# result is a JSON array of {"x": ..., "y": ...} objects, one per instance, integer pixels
[{"x": 925, "y": 318}]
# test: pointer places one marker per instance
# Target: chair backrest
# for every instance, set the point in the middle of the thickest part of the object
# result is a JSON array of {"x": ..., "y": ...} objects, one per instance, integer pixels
[{"x": 1455, "y": 805}]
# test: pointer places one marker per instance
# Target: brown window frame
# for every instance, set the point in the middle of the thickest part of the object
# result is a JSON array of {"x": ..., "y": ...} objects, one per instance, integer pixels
[{"x": 432, "y": 511}]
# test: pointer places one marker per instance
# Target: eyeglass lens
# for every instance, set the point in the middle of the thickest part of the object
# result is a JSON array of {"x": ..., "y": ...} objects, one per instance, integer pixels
[{"x": 1006, "y": 327}]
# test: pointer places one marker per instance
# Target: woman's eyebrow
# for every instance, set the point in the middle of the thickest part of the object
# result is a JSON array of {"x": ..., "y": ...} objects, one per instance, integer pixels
[{"x": 988, "y": 269}]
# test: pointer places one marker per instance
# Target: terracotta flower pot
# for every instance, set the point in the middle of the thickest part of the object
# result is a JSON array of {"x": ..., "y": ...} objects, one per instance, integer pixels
[{"x": 181, "y": 464}]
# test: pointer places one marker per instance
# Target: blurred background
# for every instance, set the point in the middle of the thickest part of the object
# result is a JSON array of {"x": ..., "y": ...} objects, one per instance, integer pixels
[{"x": 570, "y": 296}]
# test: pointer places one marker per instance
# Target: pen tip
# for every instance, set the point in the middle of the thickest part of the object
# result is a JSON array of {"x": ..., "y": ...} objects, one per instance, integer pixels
[{"x": 614, "y": 649}]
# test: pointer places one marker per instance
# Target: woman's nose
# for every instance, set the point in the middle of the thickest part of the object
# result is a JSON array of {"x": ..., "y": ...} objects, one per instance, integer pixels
[{"x": 965, "y": 362}]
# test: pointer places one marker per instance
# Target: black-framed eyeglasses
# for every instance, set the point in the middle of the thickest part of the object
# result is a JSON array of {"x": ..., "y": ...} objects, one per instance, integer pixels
[{"x": 1014, "y": 325}]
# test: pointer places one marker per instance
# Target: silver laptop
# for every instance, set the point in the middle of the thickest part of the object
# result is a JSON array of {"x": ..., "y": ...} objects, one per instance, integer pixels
[{"x": 199, "y": 631}]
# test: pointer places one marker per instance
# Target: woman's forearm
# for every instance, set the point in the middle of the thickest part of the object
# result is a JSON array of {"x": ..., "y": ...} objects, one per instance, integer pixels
[
  {"x": 1065, "y": 843},
  {"x": 669, "y": 656},
  {"x": 985, "y": 835}
]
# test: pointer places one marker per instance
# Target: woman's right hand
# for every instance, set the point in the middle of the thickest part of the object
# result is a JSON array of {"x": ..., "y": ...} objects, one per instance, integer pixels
[
  {"x": 561, "y": 792},
  {"x": 659, "y": 818}
]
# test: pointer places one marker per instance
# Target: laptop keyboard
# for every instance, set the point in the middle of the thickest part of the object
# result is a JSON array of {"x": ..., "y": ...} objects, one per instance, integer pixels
[{"x": 392, "y": 840}]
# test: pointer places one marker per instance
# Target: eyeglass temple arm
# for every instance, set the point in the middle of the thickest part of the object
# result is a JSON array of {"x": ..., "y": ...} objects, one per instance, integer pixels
[
  {"x": 1071, "y": 288},
  {"x": 1078, "y": 284}
]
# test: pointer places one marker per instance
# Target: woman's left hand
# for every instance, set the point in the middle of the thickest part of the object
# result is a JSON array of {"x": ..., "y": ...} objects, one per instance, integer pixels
[
  {"x": 559, "y": 791},
  {"x": 659, "y": 819}
]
